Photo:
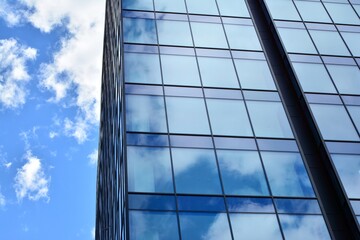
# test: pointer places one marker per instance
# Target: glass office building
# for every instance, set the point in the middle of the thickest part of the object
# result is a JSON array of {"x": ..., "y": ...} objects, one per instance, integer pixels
[{"x": 230, "y": 119}]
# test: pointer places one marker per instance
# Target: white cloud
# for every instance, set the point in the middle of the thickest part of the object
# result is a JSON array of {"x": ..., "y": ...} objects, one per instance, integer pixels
[
  {"x": 2, "y": 200},
  {"x": 77, "y": 129},
  {"x": 30, "y": 180},
  {"x": 53, "y": 134},
  {"x": 93, "y": 157},
  {"x": 8, "y": 14},
  {"x": 8, "y": 164},
  {"x": 14, "y": 75}
]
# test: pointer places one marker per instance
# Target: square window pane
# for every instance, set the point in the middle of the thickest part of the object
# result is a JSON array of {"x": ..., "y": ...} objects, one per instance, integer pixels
[
  {"x": 269, "y": 119},
  {"x": 312, "y": 11},
  {"x": 255, "y": 226},
  {"x": 140, "y": 111},
  {"x": 242, "y": 37},
  {"x": 138, "y": 5},
  {"x": 139, "y": 30},
  {"x": 228, "y": 117},
  {"x": 202, "y": 7},
  {"x": 235, "y": 8},
  {"x": 296, "y": 40},
  {"x": 153, "y": 225},
  {"x": 286, "y": 174},
  {"x": 334, "y": 122},
  {"x": 346, "y": 78},
  {"x": 342, "y": 13},
  {"x": 254, "y": 74},
  {"x": 196, "y": 171},
  {"x": 334, "y": 47},
  {"x": 242, "y": 173},
  {"x": 218, "y": 72},
  {"x": 352, "y": 40},
  {"x": 169, "y": 6},
  {"x": 180, "y": 70},
  {"x": 282, "y": 9},
  {"x": 313, "y": 78},
  {"x": 355, "y": 115},
  {"x": 208, "y": 35},
  {"x": 174, "y": 33},
  {"x": 142, "y": 68},
  {"x": 187, "y": 115}
]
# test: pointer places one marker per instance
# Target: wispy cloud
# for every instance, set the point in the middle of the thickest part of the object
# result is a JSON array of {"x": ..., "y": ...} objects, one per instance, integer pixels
[
  {"x": 31, "y": 181},
  {"x": 7, "y": 12},
  {"x": 93, "y": 157},
  {"x": 14, "y": 58},
  {"x": 7, "y": 164},
  {"x": 2, "y": 200}
]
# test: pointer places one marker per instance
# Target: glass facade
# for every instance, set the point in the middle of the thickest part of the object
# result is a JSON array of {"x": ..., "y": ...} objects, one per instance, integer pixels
[{"x": 195, "y": 141}]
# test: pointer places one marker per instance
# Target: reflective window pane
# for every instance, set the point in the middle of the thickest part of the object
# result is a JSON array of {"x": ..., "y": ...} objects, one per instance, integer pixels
[
  {"x": 187, "y": 115},
  {"x": 304, "y": 227},
  {"x": 152, "y": 202},
  {"x": 355, "y": 115},
  {"x": 201, "y": 7},
  {"x": 204, "y": 226},
  {"x": 149, "y": 169},
  {"x": 348, "y": 168},
  {"x": 235, "y": 8},
  {"x": 352, "y": 40},
  {"x": 286, "y": 174},
  {"x": 180, "y": 70},
  {"x": 218, "y": 72},
  {"x": 346, "y": 78},
  {"x": 140, "y": 111},
  {"x": 334, "y": 47},
  {"x": 255, "y": 226},
  {"x": 242, "y": 173},
  {"x": 282, "y": 9},
  {"x": 237, "y": 204},
  {"x": 296, "y": 40},
  {"x": 201, "y": 203},
  {"x": 334, "y": 122},
  {"x": 174, "y": 33},
  {"x": 254, "y": 74},
  {"x": 208, "y": 35},
  {"x": 138, "y": 5},
  {"x": 269, "y": 119},
  {"x": 242, "y": 37},
  {"x": 356, "y": 207},
  {"x": 303, "y": 206},
  {"x": 170, "y": 6},
  {"x": 153, "y": 225},
  {"x": 142, "y": 68},
  {"x": 342, "y": 13},
  {"x": 139, "y": 31},
  {"x": 195, "y": 171},
  {"x": 228, "y": 117},
  {"x": 312, "y": 11}
]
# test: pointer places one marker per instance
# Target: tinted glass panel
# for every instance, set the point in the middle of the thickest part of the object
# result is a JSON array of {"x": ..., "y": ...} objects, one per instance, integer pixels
[
  {"x": 208, "y": 35},
  {"x": 142, "y": 68},
  {"x": 346, "y": 78},
  {"x": 233, "y": 8},
  {"x": 250, "y": 204},
  {"x": 356, "y": 207},
  {"x": 200, "y": 7},
  {"x": 201, "y": 203},
  {"x": 342, "y": 13},
  {"x": 312, "y": 11},
  {"x": 296, "y": 40},
  {"x": 139, "y": 30},
  {"x": 137, "y": 5},
  {"x": 242, "y": 37},
  {"x": 174, "y": 33},
  {"x": 151, "y": 202},
  {"x": 170, "y": 6},
  {"x": 305, "y": 206},
  {"x": 352, "y": 40},
  {"x": 282, "y": 9},
  {"x": 355, "y": 115},
  {"x": 334, "y": 47}
]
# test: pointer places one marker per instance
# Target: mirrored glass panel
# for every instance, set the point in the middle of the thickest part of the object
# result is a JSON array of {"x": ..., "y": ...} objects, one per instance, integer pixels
[
  {"x": 242, "y": 173},
  {"x": 142, "y": 68},
  {"x": 287, "y": 174},
  {"x": 346, "y": 78},
  {"x": 201, "y": 7},
  {"x": 282, "y": 9},
  {"x": 312, "y": 11},
  {"x": 237, "y": 204},
  {"x": 301, "y": 206},
  {"x": 174, "y": 33},
  {"x": 138, "y": 30},
  {"x": 296, "y": 40},
  {"x": 355, "y": 115},
  {"x": 196, "y": 171},
  {"x": 169, "y": 6},
  {"x": 208, "y": 35},
  {"x": 201, "y": 203},
  {"x": 242, "y": 37},
  {"x": 352, "y": 40},
  {"x": 342, "y": 13},
  {"x": 138, "y": 5},
  {"x": 235, "y": 8},
  {"x": 334, "y": 47},
  {"x": 152, "y": 202}
]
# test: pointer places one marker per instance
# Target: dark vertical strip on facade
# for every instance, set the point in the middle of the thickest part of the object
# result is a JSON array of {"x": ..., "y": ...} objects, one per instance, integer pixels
[{"x": 336, "y": 208}]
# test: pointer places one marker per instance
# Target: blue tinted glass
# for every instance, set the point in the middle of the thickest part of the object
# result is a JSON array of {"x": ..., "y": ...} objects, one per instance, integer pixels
[
  {"x": 142, "y": 68},
  {"x": 228, "y": 117},
  {"x": 352, "y": 40},
  {"x": 269, "y": 119},
  {"x": 151, "y": 202},
  {"x": 137, "y": 5},
  {"x": 204, "y": 226},
  {"x": 312, "y": 11},
  {"x": 248, "y": 39},
  {"x": 355, "y": 115},
  {"x": 313, "y": 77},
  {"x": 346, "y": 78},
  {"x": 139, "y": 30},
  {"x": 308, "y": 227},
  {"x": 334, "y": 47},
  {"x": 356, "y": 207},
  {"x": 348, "y": 168},
  {"x": 191, "y": 141},
  {"x": 296, "y": 40},
  {"x": 282, "y": 9},
  {"x": 208, "y": 35},
  {"x": 342, "y": 13},
  {"x": 200, "y": 7},
  {"x": 195, "y": 171},
  {"x": 242, "y": 173},
  {"x": 147, "y": 139},
  {"x": 297, "y": 206},
  {"x": 334, "y": 122},
  {"x": 254, "y": 74},
  {"x": 180, "y": 70},
  {"x": 174, "y": 33},
  {"x": 149, "y": 169},
  {"x": 218, "y": 72},
  {"x": 264, "y": 205},
  {"x": 235, "y": 143},
  {"x": 233, "y": 8},
  {"x": 170, "y": 6},
  {"x": 255, "y": 226},
  {"x": 140, "y": 110},
  {"x": 153, "y": 225},
  {"x": 187, "y": 115},
  {"x": 286, "y": 174},
  {"x": 195, "y": 203}
]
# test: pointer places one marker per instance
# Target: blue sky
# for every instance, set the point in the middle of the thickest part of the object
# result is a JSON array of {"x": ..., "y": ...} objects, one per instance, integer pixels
[{"x": 50, "y": 73}]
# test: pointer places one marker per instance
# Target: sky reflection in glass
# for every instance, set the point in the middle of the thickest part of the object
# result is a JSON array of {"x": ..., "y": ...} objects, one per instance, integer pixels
[
  {"x": 137, "y": 30},
  {"x": 142, "y": 68}
]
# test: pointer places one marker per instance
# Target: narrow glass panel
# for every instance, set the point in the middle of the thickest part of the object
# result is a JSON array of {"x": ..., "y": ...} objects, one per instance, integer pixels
[
  {"x": 174, "y": 33},
  {"x": 313, "y": 77},
  {"x": 142, "y": 68},
  {"x": 304, "y": 227},
  {"x": 196, "y": 171},
  {"x": 305, "y": 206},
  {"x": 201, "y": 7},
  {"x": 242, "y": 37},
  {"x": 208, "y": 35},
  {"x": 297, "y": 40},
  {"x": 269, "y": 119},
  {"x": 170, "y": 6},
  {"x": 334, "y": 47},
  {"x": 218, "y": 72},
  {"x": 342, "y": 13},
  {"x": 254, "y": 74},
  {"x": 334, "y": 122},
  {"x": 187, "y": 115},
  {"x": 147, "y": 139},
  {"x": 201, "y": 203},
  {"x": 236, "y": 204},
  {"x": 153, "y": 225},
  {"x": 140, "y": 111},
  {"x": 242, "y": 173},
  {"x": 286, "y": 174},
  {"x": 346, "y": 78},
  {"x": 352, "y": 40},
  {"x": 282, "y": 9},
  {"x": 235, "y": 8},
  {"x": 205, "y": 226},
  {"x": 255, "y": 226},
  {"x": 355, "y": 115},
  {"x": 149, "y": 169},
  {"x": 139, "y": 30},
  {"x": 228, "y": 117},
  {"x": 312, "y": 11},
  {"x": 348, "y": 167},
  {"x": 180, "y": 70},
  {"x": 151, "y": 202},
  {"x": 138, "y": 5}
]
